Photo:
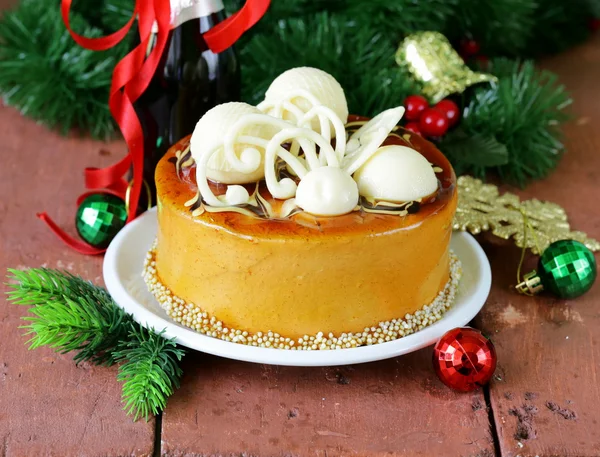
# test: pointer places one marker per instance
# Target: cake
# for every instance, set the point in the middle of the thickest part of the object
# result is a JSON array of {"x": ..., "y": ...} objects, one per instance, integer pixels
[{"x": 276, "y": 230}]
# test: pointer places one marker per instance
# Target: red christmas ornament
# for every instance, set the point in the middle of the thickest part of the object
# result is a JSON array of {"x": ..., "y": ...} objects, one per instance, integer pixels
[
  {"x": 450, "y": 109},
  {"x": 464, "y": 359},
  {"x": 433, "y": 123},
  {"x": 415, "y": 105},
  {"x": 413, "y": 127}
]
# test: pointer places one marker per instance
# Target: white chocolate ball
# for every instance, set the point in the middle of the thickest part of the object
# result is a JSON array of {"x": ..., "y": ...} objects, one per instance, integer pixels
[
  {"x": 396, "y": 174},
  {"x": 319, "y": 84},
  {"x": 327, "y": 191},
  {"x": 209, "y": 133},
  {"x": 237, "y": 195}
]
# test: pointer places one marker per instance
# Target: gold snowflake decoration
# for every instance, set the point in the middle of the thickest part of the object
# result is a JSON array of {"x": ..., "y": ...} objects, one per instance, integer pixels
[{"x": 482, "y": 208}]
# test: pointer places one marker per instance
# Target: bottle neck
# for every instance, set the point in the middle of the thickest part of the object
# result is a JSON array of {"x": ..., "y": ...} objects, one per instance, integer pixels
[{"x": 186, "y": 10}]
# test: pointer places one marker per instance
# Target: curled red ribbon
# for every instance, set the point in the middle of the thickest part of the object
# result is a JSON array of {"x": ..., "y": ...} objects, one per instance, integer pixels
[{"x": 131, "y": 77}]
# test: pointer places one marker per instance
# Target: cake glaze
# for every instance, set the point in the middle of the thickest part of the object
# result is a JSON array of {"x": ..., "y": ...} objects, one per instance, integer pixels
[{"x": 304, "y": 274}]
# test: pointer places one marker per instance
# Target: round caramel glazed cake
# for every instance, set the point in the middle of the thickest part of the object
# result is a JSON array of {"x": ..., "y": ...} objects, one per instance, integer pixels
[{"x": 304, "y": 274}]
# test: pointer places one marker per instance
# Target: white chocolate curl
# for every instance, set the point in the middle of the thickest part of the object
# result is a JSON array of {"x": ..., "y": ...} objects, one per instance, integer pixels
[
  {"x": 208, "y": 139},
  {"x": 235, "y": 143},
  {"x": 364, "y": 142},
  {"x": 396, "y": 174},
  {"x": 327, "y": 191},
  {"x": 294, "y": 92},
  {"x": 244, "y": 153}
]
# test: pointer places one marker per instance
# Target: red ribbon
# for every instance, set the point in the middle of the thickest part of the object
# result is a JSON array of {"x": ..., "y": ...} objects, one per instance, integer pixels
[{"x": 130, "y": 79}]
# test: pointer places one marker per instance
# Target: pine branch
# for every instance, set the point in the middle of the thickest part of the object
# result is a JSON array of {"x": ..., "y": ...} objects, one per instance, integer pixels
[
  {"x": 39, "y": 285},
  {"x": 70, "y": 314},
  {"x": 522, "y": 112},
  {"x": 559, "y": 25},
  {"x": 150, "y": 371},
  {"x": 361, "y": 59},
  {"x": 594, "y": 7},
  {"x": 502, "y": 27},
  {"x": 395, "y": 19},
  {"x": 50, "y": 78}
]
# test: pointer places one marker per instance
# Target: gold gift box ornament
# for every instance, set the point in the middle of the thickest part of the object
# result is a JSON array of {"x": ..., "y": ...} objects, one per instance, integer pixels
[{"x": 432, "y": 61}]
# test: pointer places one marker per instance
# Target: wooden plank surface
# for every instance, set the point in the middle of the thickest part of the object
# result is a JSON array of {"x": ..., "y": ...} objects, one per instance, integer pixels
[
  {"x": 48, "y": 406},
  {"x": 547, "y": 399},
  {"x": 392, "y": 408}
]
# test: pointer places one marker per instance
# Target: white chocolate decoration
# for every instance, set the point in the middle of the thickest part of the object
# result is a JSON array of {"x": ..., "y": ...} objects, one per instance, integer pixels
[
  {"x": 396, "y": 174},
  {"x": 208, "y": 139},
  {"x": 235, "y": 143},
  {"x": 295, "y": 92},
  {"x": 236, "y": 195},
  {"x": 244, "y": 154},
  {"x": 327, "y": 191},
  {"x": 364, "y": 142}
]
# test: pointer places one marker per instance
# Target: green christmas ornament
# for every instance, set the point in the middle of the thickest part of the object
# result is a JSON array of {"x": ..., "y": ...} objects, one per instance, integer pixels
[
  {"x": 99, "y": 218},
  {"x": 567, "y": 269}
]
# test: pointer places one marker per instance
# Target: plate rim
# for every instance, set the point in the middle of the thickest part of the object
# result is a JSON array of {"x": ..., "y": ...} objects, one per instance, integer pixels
[{"x": 329, "y": 357}]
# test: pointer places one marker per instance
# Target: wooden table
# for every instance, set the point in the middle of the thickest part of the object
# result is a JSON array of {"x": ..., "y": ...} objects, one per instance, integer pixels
[{"x": 548, "y": 350}]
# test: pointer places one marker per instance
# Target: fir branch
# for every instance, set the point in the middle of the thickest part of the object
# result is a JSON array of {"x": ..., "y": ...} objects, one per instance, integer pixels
[
  {"x": 50, "y": 78},
  {"x": 39, "y": 285},
  {"x": 70, "y": 314},
  {"x": 395, "y": 19},
  {"x": 352, "y": 53},
  {"x": 559, "y": 25},
  {"x": 113, "y": 14},
  {"x": 502, "y": 27},
  {"x": 523, "y": 112},
  {"x": 473, "y": 154},
  {"x": 594, "y": 7},
  {"x": 150, "y": 371},
  {"x": 282, "y": 10}
]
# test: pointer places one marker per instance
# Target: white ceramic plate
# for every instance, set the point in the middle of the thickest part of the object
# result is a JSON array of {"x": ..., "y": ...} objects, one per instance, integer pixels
[{"x": 123, "y": 277}]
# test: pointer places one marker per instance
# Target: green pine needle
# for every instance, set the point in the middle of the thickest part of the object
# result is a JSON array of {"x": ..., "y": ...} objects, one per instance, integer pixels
[
  {"x": 472, "y": 154},
  {"x": 71, "y": 314},
  {"x": 46, "y": 75},
  {"x": 522, "y": 112},
  {"x": 395, "y": 19},
  {"x": 594, "y": 6},
  {"x": 553, "y": 19},
  {"x": 501, "y": 27},
  {"x": 150, "y": 371},
  {"x": 352, "y": 53},
  {"x": 50, "y": 78}
]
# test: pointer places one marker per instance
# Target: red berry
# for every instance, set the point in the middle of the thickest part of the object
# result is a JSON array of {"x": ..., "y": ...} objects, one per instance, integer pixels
[
  {"x": 413, "y": 127},
  {"x": 415, "y": 105},
  {"x": 433, "y": 123},
  {"x": 469, "y": 48},
  {"x": 449, "y": 108},
  {"x": 594, "y": 24},
  {"x": 484, "y": 61}
]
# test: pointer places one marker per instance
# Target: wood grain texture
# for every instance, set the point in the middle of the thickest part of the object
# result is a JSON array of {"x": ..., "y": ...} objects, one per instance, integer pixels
[
  {"x": 393, "y": 408},
  {"x": 549, "y": 349},
  {"x": 545, "y": 398},
  {"x": 49, "y": 406}
]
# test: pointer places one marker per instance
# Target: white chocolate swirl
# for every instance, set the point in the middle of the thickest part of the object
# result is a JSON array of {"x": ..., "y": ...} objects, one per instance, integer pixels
[
  {"x": 294, "y": 92},
  {"x": 235, "y": 143}
]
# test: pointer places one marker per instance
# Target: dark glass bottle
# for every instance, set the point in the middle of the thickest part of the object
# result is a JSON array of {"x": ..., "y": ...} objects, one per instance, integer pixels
[{"x": 189, "y": 80}]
